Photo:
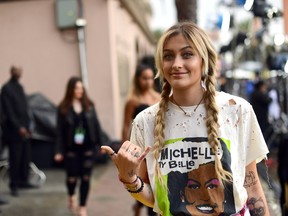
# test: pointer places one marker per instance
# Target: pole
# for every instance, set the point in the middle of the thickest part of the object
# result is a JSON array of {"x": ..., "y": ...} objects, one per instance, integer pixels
[
  {"x": 82, "y": 55},
  {"x": 81, "y": 23}
]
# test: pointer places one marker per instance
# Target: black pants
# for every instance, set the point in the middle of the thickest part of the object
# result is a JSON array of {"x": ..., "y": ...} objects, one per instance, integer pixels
[
  {"x": 19, "y": 159},
  {"x": 79, "y": 163},
  {"x": 150, "y": 211}
]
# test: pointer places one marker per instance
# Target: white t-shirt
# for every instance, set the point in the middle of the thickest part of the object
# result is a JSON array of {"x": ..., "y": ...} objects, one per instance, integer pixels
[{"x": 187, "y": 160}]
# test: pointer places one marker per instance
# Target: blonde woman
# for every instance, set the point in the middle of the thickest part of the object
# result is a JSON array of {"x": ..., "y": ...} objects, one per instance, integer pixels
[{"x": 201, "y": 146}]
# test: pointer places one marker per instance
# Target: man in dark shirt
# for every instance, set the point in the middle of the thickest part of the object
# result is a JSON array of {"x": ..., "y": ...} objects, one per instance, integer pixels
[
  {"x": 260, "y": 101},
  {"x": 16, "y": 130}
]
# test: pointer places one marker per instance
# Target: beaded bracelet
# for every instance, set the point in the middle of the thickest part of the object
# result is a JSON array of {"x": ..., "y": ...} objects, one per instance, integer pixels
[
  {"x": 140, "y": 189},
  {"x": 130, "y": 183}
]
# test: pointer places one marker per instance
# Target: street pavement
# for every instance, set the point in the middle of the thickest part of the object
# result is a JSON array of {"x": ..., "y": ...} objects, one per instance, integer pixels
[{"x": 107, "y": 197}]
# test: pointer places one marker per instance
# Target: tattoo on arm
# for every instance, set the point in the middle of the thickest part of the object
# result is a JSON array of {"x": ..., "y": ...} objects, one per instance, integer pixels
[
  {"x": 256, "y": 206},
  {"x": 250, "y": 179}
]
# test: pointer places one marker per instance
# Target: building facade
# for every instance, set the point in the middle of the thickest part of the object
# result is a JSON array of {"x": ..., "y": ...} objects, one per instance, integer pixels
[{"x": 117, "y": 35}]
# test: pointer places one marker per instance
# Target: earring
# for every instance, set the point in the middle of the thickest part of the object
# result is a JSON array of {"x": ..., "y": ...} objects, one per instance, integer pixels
[{"x": 203, "y": 85}]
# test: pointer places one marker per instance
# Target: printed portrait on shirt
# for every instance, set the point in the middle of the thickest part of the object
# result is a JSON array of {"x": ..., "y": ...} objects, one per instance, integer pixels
[{"x": 193, "y": 187}]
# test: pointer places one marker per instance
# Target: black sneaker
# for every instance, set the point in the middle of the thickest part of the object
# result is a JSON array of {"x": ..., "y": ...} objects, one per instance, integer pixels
[{"x": 3, "y": 201}]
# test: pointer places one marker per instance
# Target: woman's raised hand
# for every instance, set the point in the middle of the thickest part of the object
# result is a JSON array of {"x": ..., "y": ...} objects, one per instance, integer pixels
[{"x": 127, "y": 160}]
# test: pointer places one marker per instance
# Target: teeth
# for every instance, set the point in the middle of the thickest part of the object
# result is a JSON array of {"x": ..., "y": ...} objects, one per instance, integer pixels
[{"x": 205, "y": 208}]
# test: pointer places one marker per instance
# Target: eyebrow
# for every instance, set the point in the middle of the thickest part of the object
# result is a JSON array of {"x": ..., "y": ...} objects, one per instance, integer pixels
[
  {"x": 193, "y": 181},
  {"x": 213, "y": 180},
  {"x": 183, "y": 48}
]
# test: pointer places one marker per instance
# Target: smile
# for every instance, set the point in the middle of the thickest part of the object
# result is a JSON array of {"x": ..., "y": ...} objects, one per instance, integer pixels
[
  {"x": 205, "y": 209},
  {"x": 179, "y": 73}
]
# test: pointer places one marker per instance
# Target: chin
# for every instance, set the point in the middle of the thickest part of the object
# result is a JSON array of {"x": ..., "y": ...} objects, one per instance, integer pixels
[{"x": 179, "y": 85}]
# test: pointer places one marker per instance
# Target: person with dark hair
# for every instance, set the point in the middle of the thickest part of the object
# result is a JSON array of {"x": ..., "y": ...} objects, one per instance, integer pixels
[
  {"x": 260, "y": 101},
  {"x": 16, "y": 130},
  {"x": 149, "y": 60},
  {"x": 78, "y": 134},
  {"x": 142, "y": 96}
]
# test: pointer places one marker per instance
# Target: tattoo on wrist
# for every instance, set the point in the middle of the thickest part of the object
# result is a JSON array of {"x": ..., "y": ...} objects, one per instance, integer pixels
[
  {"x": 250, "y": 179},
  {"x": 131, "y": 173},
  {"x": 256, "y": 206}
]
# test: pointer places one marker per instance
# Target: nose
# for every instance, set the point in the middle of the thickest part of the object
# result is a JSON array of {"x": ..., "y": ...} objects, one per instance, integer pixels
[
  {"x": 204, "y": 196},
  {"x": 178, "y": 63}
]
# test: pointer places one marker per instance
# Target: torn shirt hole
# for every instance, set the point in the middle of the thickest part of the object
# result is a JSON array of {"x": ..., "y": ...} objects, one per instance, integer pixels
[{"x": 232, "y": 102}]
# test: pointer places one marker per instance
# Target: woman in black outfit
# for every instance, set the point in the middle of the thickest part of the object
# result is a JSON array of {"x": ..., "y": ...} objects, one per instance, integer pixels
[
  {"x": 78, "y": 133},
  {"x": 142, "y": 96}
]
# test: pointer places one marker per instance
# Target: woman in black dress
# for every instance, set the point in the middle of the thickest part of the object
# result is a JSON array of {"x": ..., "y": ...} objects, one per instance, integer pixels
[
  {"x": 142, "y": 96},
  {"x": 78, "y": 133}
]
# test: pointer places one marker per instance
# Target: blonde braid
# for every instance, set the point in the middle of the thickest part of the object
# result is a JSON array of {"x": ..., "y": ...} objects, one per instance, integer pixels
[
  {"x": 160, "y": 127},
  {"x": 212, "y": 122}
]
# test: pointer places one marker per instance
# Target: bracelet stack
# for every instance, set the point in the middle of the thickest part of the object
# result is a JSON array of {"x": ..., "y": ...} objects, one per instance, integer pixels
[{"x": 133, "y": 187}]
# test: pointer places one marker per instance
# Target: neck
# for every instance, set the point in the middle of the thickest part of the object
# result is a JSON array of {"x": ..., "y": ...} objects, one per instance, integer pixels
[
  {"x": 76, "y": 101},
  {"x": 15, "y": 78},
  {"x": 145, "y": 91},
  {"x": 188, "y": 97}
]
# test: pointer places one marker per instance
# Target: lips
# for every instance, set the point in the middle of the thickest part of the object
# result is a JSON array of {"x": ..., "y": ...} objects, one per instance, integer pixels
[
  {"x": 206, "y": 209},
  {"x": 178, "y": 74}
]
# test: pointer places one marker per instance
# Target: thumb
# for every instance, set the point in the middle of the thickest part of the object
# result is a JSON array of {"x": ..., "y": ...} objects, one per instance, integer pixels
[
  {"x": 144, "y": 154},
  {"x": 107, "y": 149}
]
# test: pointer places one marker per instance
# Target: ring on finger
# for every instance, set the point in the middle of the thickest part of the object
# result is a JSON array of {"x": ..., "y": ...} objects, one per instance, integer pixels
[
  {"x": 113, "y": 153},
  {"x": 137, "y": 155}
]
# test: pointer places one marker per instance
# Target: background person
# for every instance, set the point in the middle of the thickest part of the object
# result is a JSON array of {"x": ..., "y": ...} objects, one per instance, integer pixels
[
  {"x": 184, "y": 128},
  {"x": 78, "y": 134},
  {"x": 142, "y": 96},
  {"x": 260, "y": 101},
  {"x": 16, "y": 130}
]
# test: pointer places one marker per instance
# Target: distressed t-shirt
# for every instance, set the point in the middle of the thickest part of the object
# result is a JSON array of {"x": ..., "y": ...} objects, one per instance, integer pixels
[{"x": 187, "y": 161}]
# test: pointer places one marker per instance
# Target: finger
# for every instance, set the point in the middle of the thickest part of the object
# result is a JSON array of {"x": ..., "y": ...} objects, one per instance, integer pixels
[
  {"x": 144, "y": 154},
  {"x": 124, "y": 147},
  {"x": 108, "y": 150}
]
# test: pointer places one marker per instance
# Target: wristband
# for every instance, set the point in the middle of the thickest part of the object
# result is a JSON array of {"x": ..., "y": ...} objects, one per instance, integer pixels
[{"x": 135, "y": 190}]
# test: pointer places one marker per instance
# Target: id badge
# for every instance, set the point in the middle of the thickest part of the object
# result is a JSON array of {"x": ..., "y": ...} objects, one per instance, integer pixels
[{"x": 79, "y": 138}]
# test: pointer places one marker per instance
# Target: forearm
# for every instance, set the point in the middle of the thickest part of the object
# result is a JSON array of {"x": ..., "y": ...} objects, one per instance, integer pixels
[
  {"x": 256, "y": 201},
  {"x": 257, "y": 204},
  {"x": 146, "y": 196}
]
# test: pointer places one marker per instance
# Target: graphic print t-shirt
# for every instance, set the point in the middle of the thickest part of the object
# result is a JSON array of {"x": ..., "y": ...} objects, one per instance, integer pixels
[{"x": 187, "y": 161}]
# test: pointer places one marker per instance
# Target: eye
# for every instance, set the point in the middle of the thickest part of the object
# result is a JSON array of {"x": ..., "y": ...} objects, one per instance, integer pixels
[
  {"x": 168, "y": 57},
  {"x": 187, "y": 55},
  {"x": 193, "y": 187},
  {"x": 211, "y": 186}
]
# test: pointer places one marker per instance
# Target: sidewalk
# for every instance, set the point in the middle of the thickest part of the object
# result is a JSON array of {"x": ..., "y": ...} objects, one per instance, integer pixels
[{"x": 107, "y": 197}]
